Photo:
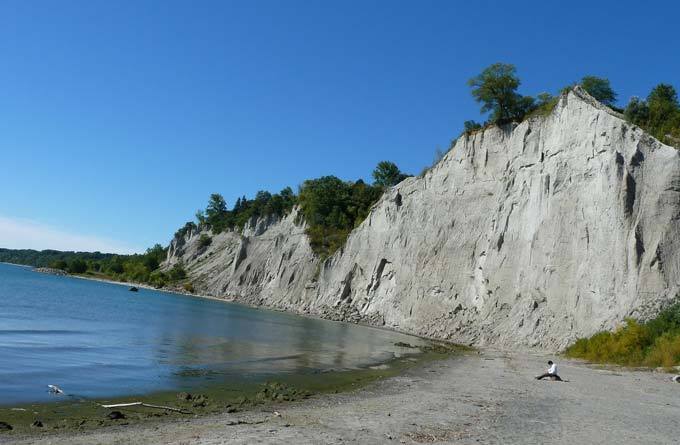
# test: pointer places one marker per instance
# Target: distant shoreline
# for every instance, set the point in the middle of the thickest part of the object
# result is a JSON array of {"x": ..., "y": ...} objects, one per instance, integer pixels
[
  {"x": 15, "y": 264},
  {"x": 177, "y": 291}
]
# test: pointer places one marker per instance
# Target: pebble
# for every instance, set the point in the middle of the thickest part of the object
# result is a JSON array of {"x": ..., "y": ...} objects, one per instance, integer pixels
[{"x": 115, "y": 415}]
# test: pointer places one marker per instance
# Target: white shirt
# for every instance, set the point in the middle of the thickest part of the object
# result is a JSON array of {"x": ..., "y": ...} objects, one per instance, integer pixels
[{"x": 553, "y": 369}]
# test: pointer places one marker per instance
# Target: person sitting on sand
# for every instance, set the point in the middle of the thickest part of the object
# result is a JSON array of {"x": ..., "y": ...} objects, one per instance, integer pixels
[{"x": 552, "y": 372}]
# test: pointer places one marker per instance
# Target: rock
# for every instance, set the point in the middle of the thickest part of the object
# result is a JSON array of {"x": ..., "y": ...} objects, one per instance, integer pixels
[
  {"x": 184, "y": 396},
  {"x": 50, "y": 271},
  {"x": 4, "y": 426},
  {"x": 525, "y": 235},
  {"x": 676, "y": 379},
  {"x": 200, "y": 401},
  {"x": 37, "y": 424},
  {"x": 115, "y": 415},
  {"x": 133, "y": 289}
]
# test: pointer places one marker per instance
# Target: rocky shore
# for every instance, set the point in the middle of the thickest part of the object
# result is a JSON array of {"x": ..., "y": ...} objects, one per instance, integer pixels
[
  {"x": 490, "y": 398},
  {"x": 50, "y": 271}
]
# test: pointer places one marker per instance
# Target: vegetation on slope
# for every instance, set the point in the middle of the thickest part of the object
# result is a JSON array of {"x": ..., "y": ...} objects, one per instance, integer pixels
[
  {"x": 653, "y": 343},
  {"x": 495, "y": 88},
  {"x": 658, "y": 115},
  {"x": 330, "y": 206}
]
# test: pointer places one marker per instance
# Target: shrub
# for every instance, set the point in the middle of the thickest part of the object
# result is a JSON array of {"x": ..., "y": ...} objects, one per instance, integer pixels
[
  {"x": 204, "y": 241},
  {"x": 654, "y": 343},
  {"x": 470, "y": 127},
  {"x": 189, "y": 287},
  {"x": 177, "y": 273},
  {"x": 545, "y": 104}
]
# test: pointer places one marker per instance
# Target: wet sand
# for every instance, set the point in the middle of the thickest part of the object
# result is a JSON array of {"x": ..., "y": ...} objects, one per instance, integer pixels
[{"x": 489, "y": 398}]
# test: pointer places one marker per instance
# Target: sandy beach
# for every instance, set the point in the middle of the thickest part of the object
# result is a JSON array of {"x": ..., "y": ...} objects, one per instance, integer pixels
[{"x": 489, "y": 398}]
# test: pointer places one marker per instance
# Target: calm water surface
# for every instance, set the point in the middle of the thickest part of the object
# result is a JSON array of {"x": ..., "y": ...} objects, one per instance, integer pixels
[{"x": 97, "y": 339}]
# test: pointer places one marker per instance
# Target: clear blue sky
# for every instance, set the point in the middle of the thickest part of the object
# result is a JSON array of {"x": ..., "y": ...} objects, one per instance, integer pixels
[{"x": 119, "y": 118}]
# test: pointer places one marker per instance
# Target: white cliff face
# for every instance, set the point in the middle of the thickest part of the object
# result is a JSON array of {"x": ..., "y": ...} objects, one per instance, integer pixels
[
  {"x": 269, "y": 263},
  {"x": 524, "y": 236}
]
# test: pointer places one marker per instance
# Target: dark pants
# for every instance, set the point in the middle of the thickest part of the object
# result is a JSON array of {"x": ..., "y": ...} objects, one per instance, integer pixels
[{"x": 552, "y": 376}]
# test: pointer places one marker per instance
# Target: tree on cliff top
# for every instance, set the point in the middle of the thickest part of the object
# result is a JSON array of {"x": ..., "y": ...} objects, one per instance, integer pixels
[
  {"x": 496, "y": 89},
  {"x": 659, "y": 115},
  {"x": 600, "y": 89},
  {"x": 387, "y": 174}
]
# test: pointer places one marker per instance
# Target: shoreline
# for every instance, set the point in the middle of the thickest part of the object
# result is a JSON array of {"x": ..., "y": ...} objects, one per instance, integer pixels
[
  {"x": 69, "y": 414},
  {"x": 487, "y": 398},
  {"x": 218, "y": 391},
  {"x": 265, "y": 308}
]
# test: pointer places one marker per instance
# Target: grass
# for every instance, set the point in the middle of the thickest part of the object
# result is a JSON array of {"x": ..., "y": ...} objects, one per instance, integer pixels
[
  {"x": 544, "y": 109},
  {"x": 655, "y": 343}
]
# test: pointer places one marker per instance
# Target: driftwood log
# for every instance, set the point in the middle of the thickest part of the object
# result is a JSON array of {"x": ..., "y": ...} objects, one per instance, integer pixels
[{"x": 148, "y": 405}]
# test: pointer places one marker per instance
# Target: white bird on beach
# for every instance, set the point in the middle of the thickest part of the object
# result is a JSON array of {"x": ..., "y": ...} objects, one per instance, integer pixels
[{"x": 55, "y": 389}]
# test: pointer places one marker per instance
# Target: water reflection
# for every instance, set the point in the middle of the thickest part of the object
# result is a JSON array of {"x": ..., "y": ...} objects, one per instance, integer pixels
[{"x": 96, "y": 339}]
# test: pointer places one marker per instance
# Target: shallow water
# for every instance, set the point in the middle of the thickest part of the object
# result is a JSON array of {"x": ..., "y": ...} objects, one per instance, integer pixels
[{"x": 98, "y": 339}]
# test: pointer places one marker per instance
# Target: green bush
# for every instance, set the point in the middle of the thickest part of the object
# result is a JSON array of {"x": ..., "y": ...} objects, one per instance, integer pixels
[
  {"x": 654, "y": 343},
  {"x": 177, "y": 273},
  {"x": 204, "y": 241},
  {"x": 545, "y": 105},
  {"x": 189, "y": 287}
]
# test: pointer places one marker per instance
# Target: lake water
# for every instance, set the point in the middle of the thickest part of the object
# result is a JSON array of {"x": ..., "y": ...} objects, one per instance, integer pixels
[{"x": 97, "y": 339}]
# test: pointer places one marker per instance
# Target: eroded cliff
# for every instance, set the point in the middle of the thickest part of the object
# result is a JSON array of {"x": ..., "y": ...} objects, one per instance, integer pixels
[{"x": 527, "y": 235}]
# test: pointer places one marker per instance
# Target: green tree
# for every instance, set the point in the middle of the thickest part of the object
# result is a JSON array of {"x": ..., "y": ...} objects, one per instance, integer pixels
[
  {"x": 77, "y": 266},
  {"x": 496, "y": 89},
  {"x": 216, "y": 213},
  {"x": 600, "y": 89},
  {"x": 387, "y": 174},
  {"x": 288, "y": 197},
  {"x": 116, "y": 265},
  {"x": 59, "y": 264},
  {"x": 319, "y": 197},
  {"x": 332, "y": 208},
  {"x": 216, "y": 206},
  {"x": 659, "y": 115},
  {"x": 200, "y": 217},
  {"x": 637, "y": 112},
  {"x": 664, "y": 111}
]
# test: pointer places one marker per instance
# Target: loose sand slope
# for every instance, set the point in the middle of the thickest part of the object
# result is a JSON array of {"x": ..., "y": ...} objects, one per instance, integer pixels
[{"x": 491, "y": 398}]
